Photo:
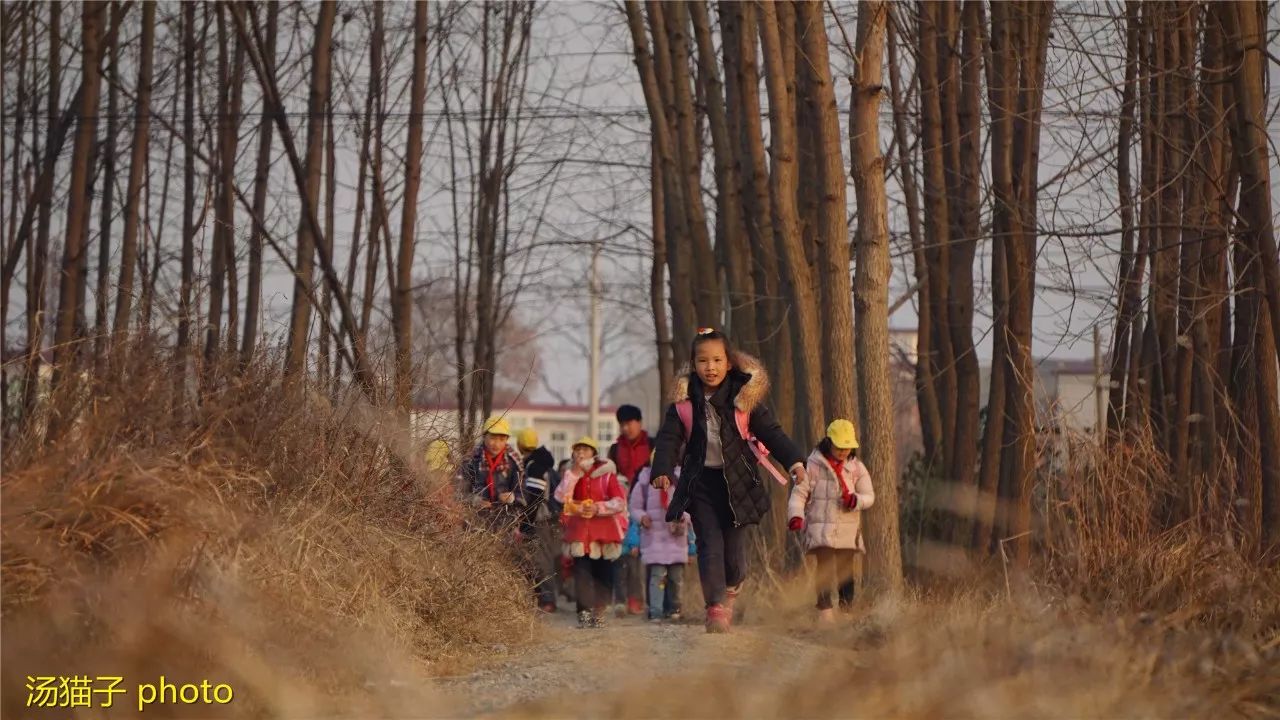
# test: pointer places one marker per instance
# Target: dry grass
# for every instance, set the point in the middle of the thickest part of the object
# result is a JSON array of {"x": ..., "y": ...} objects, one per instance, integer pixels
[
  {"x": 293, "y": 547},
  {"x": 263, "y": 538}
]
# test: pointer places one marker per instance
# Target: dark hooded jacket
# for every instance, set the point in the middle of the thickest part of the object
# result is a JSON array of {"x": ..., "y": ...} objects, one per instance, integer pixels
[{"x": 744, "y": 388}]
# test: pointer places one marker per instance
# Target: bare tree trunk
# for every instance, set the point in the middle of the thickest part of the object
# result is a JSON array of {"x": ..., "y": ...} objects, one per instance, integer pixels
[
  {"x": 101, "y": 297},
  {"x": 261, "y": 178},
  {"x": 937, "y": 222},
  {"x": 925, "y": 382},
  {"x": 300, "y": 317},
  {"x": 871, "y": 300},
  {"x": 731, "y": 237},
  {"x": 39, "y": 257},
  {"x": 330, "y": 197},
  {"x": 377, "y": 219},
  {"x": 964, "y": 211},
  {"x": 137, "y": 175},
  {"x": 707, "y": 300},
  {"x": 662, "y": 333},
  {"x": 224, "y": 223},
  {"x": 772, "y": 326},
  {"x": 183, "y": 345},
  {"x": 833, "y": 230},
  {"x": 66, "y": 347},
  {"x": 1244, "y": 44},
  {"x": 1015, "y": 111},
  {"x": 1130, "y": 286},
  {"x": 684, "y": 312},
  {"x": 402, "y": 300},
  {"x": 783, "y": 182}
]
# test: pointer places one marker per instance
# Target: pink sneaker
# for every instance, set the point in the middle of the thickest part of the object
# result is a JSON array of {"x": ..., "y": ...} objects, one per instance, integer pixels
[
  {"x": 718, "y": 619},
  {"x": 730, "y": 597}
]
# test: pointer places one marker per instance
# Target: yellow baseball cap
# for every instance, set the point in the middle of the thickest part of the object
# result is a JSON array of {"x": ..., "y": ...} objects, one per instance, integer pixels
[
  {"x": 497, "y": 425},
  {"x": 527, "y": 439},
  {"x": 438, "y": 455},
  {"x": 588, "y": 441},
  {"x": 842, "y": 434}
]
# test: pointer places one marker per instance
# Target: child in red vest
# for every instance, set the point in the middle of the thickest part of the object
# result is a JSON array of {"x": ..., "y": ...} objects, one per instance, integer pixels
[
  {"x": 719, "y": 431},
  {"x": 595, "y": 524}
]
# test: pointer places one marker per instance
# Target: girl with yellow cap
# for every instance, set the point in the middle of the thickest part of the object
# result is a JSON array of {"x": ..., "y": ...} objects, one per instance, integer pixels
[
  {"x": 595, "y": 524},
  {"x": 826, "y": 505}
]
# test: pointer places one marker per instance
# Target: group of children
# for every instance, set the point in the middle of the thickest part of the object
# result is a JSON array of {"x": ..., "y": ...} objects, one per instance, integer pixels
[{"x": 643, "y": 506}]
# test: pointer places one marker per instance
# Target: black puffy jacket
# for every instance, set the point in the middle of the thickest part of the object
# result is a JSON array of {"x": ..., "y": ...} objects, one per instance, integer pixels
[{"x": 744, "y": 389}]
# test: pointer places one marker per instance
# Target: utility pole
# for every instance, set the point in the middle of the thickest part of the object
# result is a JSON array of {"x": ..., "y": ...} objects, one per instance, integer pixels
[
  {"x": 1099, "y": 381},
  {"x": 593, "y": 392}
]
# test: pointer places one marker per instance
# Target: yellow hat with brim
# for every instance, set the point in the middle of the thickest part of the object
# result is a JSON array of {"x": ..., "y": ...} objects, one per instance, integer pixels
[
  {"x": 587, "y": 441},
  {"x": 527, "y": 439},
  {"x": 842, "y": 434},
  {"x": 497, "y": 425}
]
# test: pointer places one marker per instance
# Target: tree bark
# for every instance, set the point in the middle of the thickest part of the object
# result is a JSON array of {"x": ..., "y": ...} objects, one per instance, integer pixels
[
  {"x": 300, "y": 317},
  {"x": 833, "y": 230},
  {"x": 402, "y": 302},
  {"x": 101, "y": 296},
  {"x": 731, "y": 237},
  {"x": 783, "y": 183},
  {"x": 937, "y": 223},
  {"x": 706, "y": 296},
  {"x": 66, "y": 346},
  {"x": 133, "y": 193},
  {"x": 261, "y": 178},
  {"x": 1245, "y": 43},
  {"x": 39, "y": 259},
  {"x": 964, "y": 211},
  {"x": 183, "y": 343},
  {"x": 925, "y": 382},
  {"x": 771, "y": 322},
  {"x": 871, "y": 300},
  {"x": 1130, "y": 281}
]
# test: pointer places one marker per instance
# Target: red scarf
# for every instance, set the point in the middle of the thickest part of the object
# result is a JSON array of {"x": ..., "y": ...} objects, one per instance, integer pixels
[
  {"x": 838, "y": 467},
  {"x": 496, "y": 464},
  {"x": 846, "y": 496}
]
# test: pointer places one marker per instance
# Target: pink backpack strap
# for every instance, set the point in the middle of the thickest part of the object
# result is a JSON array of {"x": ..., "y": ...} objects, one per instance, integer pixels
[
  {"x": 743, "y": 421},
  {"x": 684, "y": 409}
]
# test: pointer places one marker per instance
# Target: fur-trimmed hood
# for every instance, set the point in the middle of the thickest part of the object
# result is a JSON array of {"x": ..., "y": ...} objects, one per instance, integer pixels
[{"x": 752, "y": 393}]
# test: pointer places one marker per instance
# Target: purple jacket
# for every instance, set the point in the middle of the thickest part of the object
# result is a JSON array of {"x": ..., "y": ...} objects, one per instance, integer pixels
[{"x": 657, "y": 545}]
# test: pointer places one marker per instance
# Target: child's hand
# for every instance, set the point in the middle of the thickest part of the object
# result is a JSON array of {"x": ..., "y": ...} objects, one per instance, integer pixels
[
  {"x": 635, "y": 552},
  {"x": 587, "y": 511},
  {"x": 796, "y": 524},
  {"x": 850, "y": 500},
  {"x": 645, "y": 522},
  {"x": 800, "y": 474},
  {"x": 507, "y": 498},
  {"x": 660, "y": 482}
]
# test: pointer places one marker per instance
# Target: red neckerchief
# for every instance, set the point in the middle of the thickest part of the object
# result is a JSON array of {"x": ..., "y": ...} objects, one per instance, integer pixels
[
  {"x": 838, "y": 467},
  {"x": 494, "y": 465}
]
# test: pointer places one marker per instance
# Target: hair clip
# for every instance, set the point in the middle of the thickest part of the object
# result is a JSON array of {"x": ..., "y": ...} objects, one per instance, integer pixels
[{"x": 706, "y": 331}]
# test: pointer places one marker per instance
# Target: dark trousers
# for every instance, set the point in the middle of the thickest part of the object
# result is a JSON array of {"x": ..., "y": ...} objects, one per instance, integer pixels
[
  {"x": 546, "y": 546},
  {"x": 628, "y": 579},
  {"x": 592, "y": 582},
  {"x": 722, "y": 548},
  {"x": 835, "y": 572}
]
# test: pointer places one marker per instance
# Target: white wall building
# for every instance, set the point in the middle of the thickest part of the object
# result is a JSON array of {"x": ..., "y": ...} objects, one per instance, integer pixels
[{"x": 558, "y": 426}]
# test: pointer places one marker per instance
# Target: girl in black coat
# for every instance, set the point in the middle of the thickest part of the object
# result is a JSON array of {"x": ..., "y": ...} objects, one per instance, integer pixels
[{"x": 719, "y": 484}]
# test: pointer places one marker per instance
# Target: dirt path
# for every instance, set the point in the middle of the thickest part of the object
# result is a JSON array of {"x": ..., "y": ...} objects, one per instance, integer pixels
[{"x": 577, "y": 673}]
